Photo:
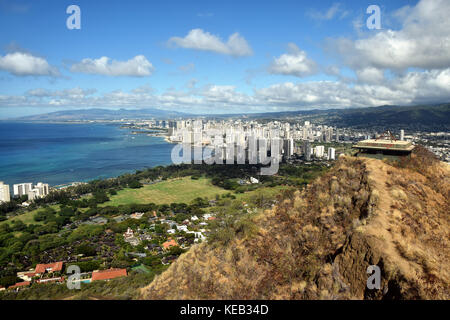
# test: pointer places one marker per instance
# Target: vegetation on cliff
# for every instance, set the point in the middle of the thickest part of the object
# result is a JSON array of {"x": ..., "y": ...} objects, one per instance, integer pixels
[{"x": 317, "y": 243}]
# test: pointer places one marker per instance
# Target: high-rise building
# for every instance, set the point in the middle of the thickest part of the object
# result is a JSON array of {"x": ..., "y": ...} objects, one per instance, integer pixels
[
  {"x": 319, "y": 151},
  {"x": 40, "y": 190},
  {"x": 402, "y": 135},
  {"x": 307, "y": 150},
  {"x": 43, "y": 189},
  {"x": 331, "y": 154},
  {"x": 4, "y": 192},
  {"x": 288, "y": 147},
  {"x": 328, "y": 134},
  {"x": 22, "y": 188}
]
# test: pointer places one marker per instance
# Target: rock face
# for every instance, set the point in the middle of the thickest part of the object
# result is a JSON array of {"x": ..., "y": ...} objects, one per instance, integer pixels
[{"x": 319, "y": 242}]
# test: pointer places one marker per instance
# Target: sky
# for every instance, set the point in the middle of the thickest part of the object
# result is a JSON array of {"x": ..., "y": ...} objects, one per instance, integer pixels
[{"x": 210, "y": 57}]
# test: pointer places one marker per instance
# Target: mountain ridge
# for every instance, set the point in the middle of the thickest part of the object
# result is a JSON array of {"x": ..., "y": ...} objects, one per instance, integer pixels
[
  {"x": 317, "y": 243},
  {"x": 436, "y": 117},
  {"x": 102, "y": 114}
]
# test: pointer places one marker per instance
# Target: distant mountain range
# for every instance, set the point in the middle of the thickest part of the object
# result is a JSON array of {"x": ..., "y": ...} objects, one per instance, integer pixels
[
  {"x": 104, "y": 114},
  {"x": 435, "y": 116}
]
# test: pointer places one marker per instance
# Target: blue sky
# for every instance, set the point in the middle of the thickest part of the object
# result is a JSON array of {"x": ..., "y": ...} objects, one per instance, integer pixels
[{"x": 176, "y": 55}]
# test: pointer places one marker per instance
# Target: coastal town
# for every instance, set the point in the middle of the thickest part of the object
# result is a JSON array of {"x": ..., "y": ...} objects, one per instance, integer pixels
[
  {"x": 107, "y": 242},
  {"x": 150, "y": 236}
]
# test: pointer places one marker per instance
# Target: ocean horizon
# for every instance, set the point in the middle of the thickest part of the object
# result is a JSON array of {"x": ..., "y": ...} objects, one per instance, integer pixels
[{"x": 61, "y": 153}]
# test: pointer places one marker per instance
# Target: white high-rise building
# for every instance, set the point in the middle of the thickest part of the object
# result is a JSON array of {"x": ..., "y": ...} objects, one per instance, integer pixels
[
  {"x": 4, "y": 192},
  {"x": 22, "y": 188},
  {"x": 40, "y": 190},
  {"x": 402, "y": 135},
  {"x": 331, "y": 154},
  {"x": 319, "y": 151},
  {"x": 33, "y": 194},
  {"x": 43, "y": 189}
]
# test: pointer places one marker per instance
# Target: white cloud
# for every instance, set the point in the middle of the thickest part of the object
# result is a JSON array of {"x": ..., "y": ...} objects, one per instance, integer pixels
[
  {"x": 412, "y": 88},
  {"x": 293, "y": 63},
  {"x": 336, "y": 10},
  {"x": 408, "y": 89},
  {"x": 370, "y": 75},
  {"x": 143, "y": 89},
  {"x": 66, "y": 94},
  {"x": 198, "y": 39},
  {"x": 423, "y": 41},
  {"x": 25, "y": 64},
  {"x": 138, "y": 66}
]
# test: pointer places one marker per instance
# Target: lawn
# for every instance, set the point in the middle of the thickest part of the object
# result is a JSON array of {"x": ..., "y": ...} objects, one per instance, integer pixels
[
  {"x": 269, "y": 192},
  {"x": 141, "y": 268},
  {"x": 175, "y": 190},
  {"x": 27, "y": 217}
]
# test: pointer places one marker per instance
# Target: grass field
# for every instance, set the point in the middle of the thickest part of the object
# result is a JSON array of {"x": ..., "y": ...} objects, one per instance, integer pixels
[
  {"x": 141, "y": 268},
  {"x": 27, "y": 217},
  {"x": 265, "y": 191},
  {"x": 166, "y": 192}
]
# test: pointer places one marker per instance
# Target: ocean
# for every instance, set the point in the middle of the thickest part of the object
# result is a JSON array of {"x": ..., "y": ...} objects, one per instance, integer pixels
[{"x": 57, "y": 153}]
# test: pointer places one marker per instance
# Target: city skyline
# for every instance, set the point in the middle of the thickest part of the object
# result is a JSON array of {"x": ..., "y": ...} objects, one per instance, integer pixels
[{"x": 211, "y": 58}]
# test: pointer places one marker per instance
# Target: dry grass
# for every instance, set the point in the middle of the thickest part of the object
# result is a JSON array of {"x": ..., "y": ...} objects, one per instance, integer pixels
[{"x": 317, "y": 243}]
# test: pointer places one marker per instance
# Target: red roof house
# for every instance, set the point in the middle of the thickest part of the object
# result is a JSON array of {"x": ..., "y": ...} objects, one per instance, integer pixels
[
  {"x": 108, "y": 274},
  {"x": 20, "y": 284},
  {"x": 169, "y": 243},
  {"x": 58, "y": 279},
  {"x": 50, "y": 267}
]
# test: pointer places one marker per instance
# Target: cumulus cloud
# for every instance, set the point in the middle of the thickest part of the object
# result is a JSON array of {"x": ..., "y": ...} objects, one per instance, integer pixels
[
  {"x": 422, "y": 41},
  {"x": 412, "y": 88},
  {"x": 370, "y": 75},
  {"x": 198, "y": 39},
  {"x": 25, "y": 64},
  {"x": 138, "y": 66},
  {"x": 408, "y": 89},
  {"x": 295, "y": 63}
]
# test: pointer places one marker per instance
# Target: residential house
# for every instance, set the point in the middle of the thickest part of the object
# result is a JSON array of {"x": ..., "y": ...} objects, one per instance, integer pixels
[
  {"x": 130, "y": 237},
  {"x": 137, "y": 215},
  {"x": 48, "y": 268},
  {"x": 169, "y": 243},
  {"x": 182, "y": 228},
  {"x": 108, "y": 274},
  {"x": 20, "y": 285},
  {"x": 26, "y": 275}
]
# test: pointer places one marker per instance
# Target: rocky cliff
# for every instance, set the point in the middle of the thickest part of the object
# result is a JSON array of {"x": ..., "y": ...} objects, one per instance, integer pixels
[{"x": 318, "y": 243}]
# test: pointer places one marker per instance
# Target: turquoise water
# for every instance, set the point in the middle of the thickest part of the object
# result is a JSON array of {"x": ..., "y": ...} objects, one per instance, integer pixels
[{"x": 63, "y": 153}]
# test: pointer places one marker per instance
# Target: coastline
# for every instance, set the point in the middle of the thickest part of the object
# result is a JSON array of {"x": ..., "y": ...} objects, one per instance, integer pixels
[{"x": 78, "y": 155}]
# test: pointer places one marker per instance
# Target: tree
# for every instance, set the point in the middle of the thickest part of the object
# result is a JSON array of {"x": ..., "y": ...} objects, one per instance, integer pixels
[
  {"x": 86, "y": 250},
  {"x": 8, "y": 281},
  {"x": 135, "y": 184}
]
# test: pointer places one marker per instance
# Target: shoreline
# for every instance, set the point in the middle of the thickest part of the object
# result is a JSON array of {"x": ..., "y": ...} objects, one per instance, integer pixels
[{"x": 113, "y": 169}]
